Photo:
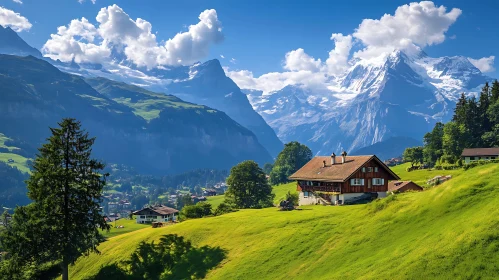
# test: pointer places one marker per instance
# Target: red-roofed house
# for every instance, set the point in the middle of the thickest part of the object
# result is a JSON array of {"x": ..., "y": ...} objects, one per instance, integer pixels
[{"x": 336, "y": 181}]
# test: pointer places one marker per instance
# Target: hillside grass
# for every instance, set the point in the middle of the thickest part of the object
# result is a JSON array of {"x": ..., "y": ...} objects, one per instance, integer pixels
[
  {"x": 20, "y": 162},
  {"x": 129, "y": 226},
  {"x": 150, "y": 109},
  {"x": 447, "y": 232},
  {"x": 420, "y": 177}
]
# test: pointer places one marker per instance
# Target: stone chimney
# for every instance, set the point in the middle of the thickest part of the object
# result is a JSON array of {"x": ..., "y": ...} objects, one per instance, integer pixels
[
  {"x": 323, "y": 163},
  {"x": 333, "y": 159},
  {"x": 343, "y": 157}
]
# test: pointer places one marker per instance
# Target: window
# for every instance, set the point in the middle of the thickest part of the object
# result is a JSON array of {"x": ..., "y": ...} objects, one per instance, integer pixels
[
  {"x": 363, "y": 169},
  {"x": 492, "y": 157},
  {"x": 357, "y": 182},
  {"x": 378, "y": 181},
  {"x": 305, "y": 194},
  {"x": 142, "y": 217},
  {"x": 375, "y": 169},
  {"x": 369, "y": 169}
]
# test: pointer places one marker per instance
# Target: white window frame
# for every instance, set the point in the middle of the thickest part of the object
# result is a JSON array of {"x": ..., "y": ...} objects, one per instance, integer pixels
[
  {"x": 376, "y": 169},
  {"x": 378, "y": 181},
  {"x": 369, "y": 169},
  {"x": 363, "y": 169},
  {"x": 305, "y": 194},
  {"x": 357, "y": 182}
]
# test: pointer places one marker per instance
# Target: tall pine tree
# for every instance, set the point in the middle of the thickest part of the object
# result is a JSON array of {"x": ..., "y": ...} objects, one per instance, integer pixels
[
  {"x": 64, "y": 220},
  {"x": 494, "y": 92}
]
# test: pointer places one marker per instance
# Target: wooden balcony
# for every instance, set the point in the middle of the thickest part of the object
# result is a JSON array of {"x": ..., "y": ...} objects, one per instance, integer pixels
[{"x": 320, "y": 189}]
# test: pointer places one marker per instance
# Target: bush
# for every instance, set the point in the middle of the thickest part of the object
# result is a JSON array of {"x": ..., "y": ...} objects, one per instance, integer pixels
[
  {"x": 201, "y": 209},
  {"x": 224, "y": 208},
  {"x": 293, "y": 198},
  {"x": 479, "y": 162}
]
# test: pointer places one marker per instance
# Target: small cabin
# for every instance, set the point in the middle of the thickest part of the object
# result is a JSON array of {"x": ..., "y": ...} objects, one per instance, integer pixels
[
  {"x": 403, "y": 186},
  {"x": 158, "y": 213},
  {"x": 469, "y": 155},
  {"x": 336, "y": 180}
]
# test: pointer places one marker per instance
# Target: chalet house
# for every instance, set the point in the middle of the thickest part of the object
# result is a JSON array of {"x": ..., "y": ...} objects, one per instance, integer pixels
[
  {"x": 403, "y": 186},
  {"x": 331, "y": 180},
  {"x": 159, "y": 213},
  {"x": 470, "y": 155}
]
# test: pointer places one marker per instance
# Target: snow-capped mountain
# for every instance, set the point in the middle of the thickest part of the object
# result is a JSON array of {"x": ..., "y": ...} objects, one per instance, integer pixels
[{"x": 402, "y": 95}]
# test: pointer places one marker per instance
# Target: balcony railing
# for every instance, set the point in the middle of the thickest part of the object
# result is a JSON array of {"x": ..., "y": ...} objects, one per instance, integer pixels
[{"x": 332, "y": 189}]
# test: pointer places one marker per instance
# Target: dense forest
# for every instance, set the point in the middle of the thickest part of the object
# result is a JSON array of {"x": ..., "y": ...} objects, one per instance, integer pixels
[
  {"x": 12, "y": 186},
  {"x": 475, "y": 123}
]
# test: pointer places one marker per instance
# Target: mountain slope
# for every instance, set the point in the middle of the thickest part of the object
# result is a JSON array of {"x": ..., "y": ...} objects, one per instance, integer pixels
[
  {"x": 208, "y": 85},
  {"x": 389, "y": 148},
  {"x": 170, "y": 136},
  {"x": 11, "y": 43},
  {"x": 204, "y": 84},
  {"x": 447, "y": 232}
]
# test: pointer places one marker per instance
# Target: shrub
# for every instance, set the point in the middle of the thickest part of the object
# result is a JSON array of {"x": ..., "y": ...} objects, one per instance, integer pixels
[
  {"x": 201, "y": 209},
  {"x": 293, "y": 198},
  {"x": 224, "y": 208}
]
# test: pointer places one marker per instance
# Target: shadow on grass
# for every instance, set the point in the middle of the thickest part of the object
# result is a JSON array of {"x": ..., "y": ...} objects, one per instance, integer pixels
[{"x": 171, "y": 258}]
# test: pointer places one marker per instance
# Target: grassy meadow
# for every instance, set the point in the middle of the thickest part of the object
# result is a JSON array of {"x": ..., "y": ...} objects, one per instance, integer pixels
[
  {"x": 420, "y": 177},
  {"x": 128, "y": 226},
  {"x": 20, "y": 162},
  {"x": 447, "y": 232}
]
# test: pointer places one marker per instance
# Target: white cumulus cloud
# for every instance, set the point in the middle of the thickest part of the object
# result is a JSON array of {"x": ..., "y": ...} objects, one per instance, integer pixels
[
  {"x": 298, "y": 60},
  {"x": 410, "y": 28},
  {"x": 9, "y": 18},
  {"x": 18, "y": 1},
  {"x": 484, "y": 64},
  {"x": 337, "y": 61},
  {"x": 117, "y": 31},
  {"x": 420, "y": 24}
]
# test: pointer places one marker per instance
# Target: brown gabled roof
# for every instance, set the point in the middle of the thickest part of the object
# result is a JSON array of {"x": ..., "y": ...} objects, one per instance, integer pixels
[
  {"x": 339, "y": 172},
  {"x": 397, "y": 185},
  {"x": 161, "y": 210},
  {"x": 480, "y": 152}
]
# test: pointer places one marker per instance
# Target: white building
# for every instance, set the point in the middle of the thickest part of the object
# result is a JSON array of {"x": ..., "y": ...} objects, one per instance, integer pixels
[
  {"x": 158, "y": 213},
  {"x": 470, "y": 155}
]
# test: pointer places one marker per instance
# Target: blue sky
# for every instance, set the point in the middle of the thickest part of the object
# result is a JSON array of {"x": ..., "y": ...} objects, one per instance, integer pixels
[{"x": 258, "y": 34}]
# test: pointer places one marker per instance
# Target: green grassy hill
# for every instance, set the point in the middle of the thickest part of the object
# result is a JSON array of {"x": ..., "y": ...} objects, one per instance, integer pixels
[
  {"x": 447, "y": 232},
  {"x": 422, "y": 176},
  {"x": 20, "y": 162}
]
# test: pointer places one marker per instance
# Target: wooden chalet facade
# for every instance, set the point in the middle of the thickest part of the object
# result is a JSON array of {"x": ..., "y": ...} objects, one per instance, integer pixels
[{"x": 337, "y": 180}]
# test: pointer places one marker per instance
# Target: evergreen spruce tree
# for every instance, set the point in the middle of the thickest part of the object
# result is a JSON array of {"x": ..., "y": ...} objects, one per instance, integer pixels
[
  {"x": 494, "y": 92},
  {"x": 64, "y": 220},
  {"x": 460, "y": 110},
  {"x": 483, "y": 106}
]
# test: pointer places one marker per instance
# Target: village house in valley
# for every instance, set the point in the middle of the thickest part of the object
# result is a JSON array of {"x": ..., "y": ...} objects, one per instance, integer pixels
[
  {"x": 470, "y": 155},
  {"x": 158, "y": 213},
  {"x": 337, "y": 180}
]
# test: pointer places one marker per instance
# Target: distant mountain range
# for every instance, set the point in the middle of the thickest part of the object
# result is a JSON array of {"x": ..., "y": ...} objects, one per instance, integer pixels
[
  {"x": 401, "y": 96},
  {"x": 154, "y": 133}
]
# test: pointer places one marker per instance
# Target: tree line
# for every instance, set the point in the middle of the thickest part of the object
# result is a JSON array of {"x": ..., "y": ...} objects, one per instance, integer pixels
[{"x": 474, "y": 124}]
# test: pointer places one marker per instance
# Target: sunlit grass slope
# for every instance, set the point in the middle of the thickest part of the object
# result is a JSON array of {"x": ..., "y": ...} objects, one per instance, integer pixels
[
  {"x": 447, "y": 232},
  {"x": 422, "y": 176},
  {"x": 20, "y": 162}
]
